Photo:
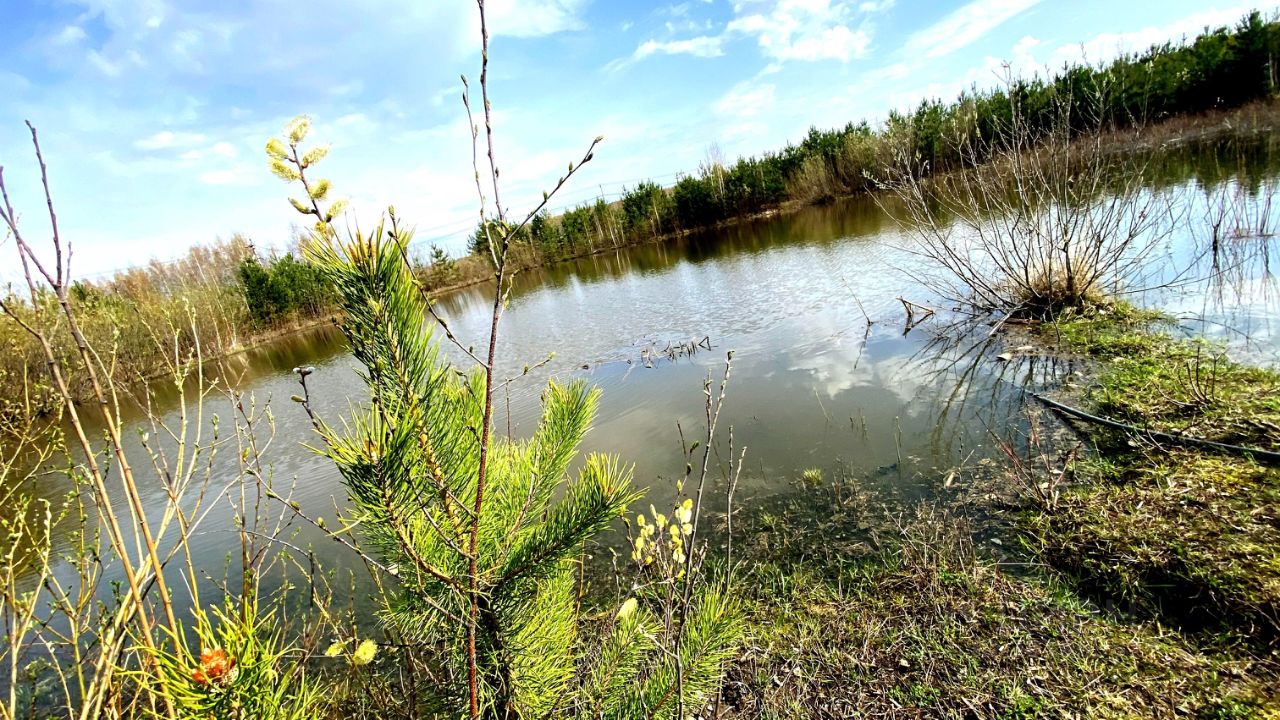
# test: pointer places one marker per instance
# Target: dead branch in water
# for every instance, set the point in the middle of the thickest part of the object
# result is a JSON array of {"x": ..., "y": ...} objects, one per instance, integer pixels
[
  {"x": 911, "y": 308},
  {"x": 1268, "y": 456}
]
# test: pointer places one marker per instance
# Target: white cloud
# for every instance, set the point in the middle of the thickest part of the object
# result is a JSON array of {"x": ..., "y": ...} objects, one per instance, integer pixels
[
  {"x": 223, "y": 149},
  {"x": 835, "y": 43},
  {"x": 747, "y": 100},
  {"x": 220, "y": 177},
  {"x": 104, "y": 66},
  {"x": 534, "y": 18},
  {"x": 894, "y": 72},
  {"x": 1106, "y": 46},
  {"x": 802, "y": 29},
  {"x": 805, "y": 30},
  {"x": 167, "y": 140},
  {"x": 875, "y": 7},
  {"x": 190, "y": 43},
  {"x": 451, "y": 92},
  {"x": 14, "y": 83},
  {"x": 964, "y": 26},
  {"x": 186, "y": 43},
  {"x": 69, "y": 35},
  {"x": 746, "y": 110},
  {"x": 704, "y": 46},
  {"x": 354, "y": 120}
]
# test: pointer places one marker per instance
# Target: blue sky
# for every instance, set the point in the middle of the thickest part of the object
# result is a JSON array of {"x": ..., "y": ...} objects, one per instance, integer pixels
[{"x": 153, "y": 113}]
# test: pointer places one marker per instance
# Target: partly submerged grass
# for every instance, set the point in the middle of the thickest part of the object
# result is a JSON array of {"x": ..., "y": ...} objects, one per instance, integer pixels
[
  {"x": 854, "y": 616},
  {"x": 1183, "y": 535},
  {"x": 927, "y": 628},
  {"x": 1187, "y": 387},
  {"x": 1106, "y": 330},
  {"x": 1163, "y": 600}
]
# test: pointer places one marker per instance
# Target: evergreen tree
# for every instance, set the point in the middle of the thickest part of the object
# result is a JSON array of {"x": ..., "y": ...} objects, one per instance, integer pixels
[
  {"x": 441, "y": 269},
  {"x": 409, "y": 461},
  {"x": 485, "y": 535},
  {"x": 545, "y": 234},
  {"x": 266, "y": 300}
]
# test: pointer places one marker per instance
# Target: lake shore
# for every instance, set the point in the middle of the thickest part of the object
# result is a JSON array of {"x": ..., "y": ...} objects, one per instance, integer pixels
[
  {"x": 1256, "y": 119},
  {"x": 1103, "y": 574},
  {"x": 1249, "y": 122}
]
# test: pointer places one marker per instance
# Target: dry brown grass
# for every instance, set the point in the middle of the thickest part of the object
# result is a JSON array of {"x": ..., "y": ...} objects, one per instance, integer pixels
[{"x": 1258, "y": 118}]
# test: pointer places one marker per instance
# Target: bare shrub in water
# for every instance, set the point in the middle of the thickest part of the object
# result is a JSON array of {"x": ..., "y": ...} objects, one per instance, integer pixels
[{"x": 1046, "y": 215}]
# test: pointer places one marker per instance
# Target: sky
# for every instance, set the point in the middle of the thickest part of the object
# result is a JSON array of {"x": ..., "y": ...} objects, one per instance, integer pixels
[{"x": 153, "y": 114}]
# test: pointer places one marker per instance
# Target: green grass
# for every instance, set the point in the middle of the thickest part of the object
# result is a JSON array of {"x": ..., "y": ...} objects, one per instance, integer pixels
[
  {"x": 1193, "y": 389},
  {"x": 1154, "y": 381},
  {"x": 1107, "y": 330},
  {"x": 1154, "y": 591},
  {"x": 927, "y": 628},
  {"x": 1187, "y": 537}
]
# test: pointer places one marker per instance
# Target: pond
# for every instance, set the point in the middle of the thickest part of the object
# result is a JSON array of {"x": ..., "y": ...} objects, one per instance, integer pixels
[{"x": 825, "y": 372}]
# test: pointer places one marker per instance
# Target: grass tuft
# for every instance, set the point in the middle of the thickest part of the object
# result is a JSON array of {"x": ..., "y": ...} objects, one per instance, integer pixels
[{"x": 1106, "y": 329}]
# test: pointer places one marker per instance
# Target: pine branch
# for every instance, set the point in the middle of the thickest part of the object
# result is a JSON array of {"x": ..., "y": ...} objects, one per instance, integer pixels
[
  {"x": 599, "y": 495},
  {"x": 708, "y": 639},
  {"x": 616, "y": 669},
  {"x": 566, "y": 416}
]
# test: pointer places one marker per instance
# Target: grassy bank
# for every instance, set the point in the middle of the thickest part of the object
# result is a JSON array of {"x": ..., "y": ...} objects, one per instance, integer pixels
[
  {"x": 1220, "y": 70},
  {"x": 923, "y": 625},
  {"x": 140, "y": 321},
  {"x": 1184, "y": 535},
  {"x": 1245, "y": 124},
  {"x": 147, "y": 321},
  {"x": 1149, "y": 587}
]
